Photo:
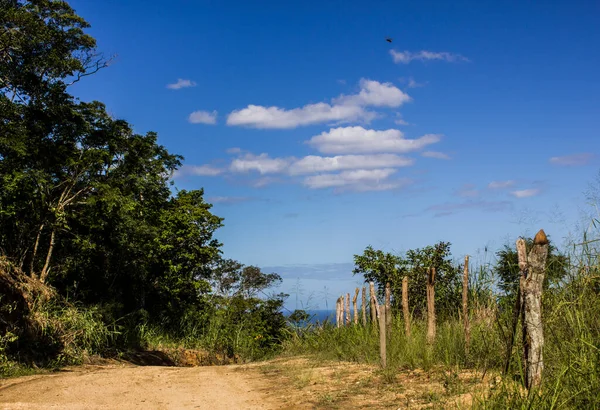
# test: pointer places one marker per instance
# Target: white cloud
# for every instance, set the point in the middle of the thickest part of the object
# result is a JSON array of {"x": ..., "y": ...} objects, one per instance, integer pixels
[
  {"x": 227, "y": 199},
  {"x": 314, "y": 164},
  {"x": 198, "y": 170},
  {"x": 258, "y": 116},
  {"x": 525, "y": 193},
  {"x": 406, "y": 57},
  {"x": 262, "y": 163},
  {"x": 501, "y": 184},
  {"x": 374, "y": 93},
  {"x": 234, "y": 150},
  {"x": 345, "y": 108},
  {"x": 435, "y": 154},
  {"x": 348, "y": 140},
  {"x": 399, "y": 120},
  {"x": 572, "y": 160},
  {"x": 358, "y": 180},
  {"x": 203, "y": 117},
  {"x": 181, "y": 83}
]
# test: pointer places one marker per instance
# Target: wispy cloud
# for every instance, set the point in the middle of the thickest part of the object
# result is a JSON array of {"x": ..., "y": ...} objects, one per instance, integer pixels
[
  {"x": 203, "y": 117},
  {"x": 405, "y": 57},
  {"x": 435, "y": 154},
  {"x": 411, "y": 83},
  {"x": 467, "y": 191},
  {"x": 572, "y": 160},
  {"x": 486, "y": 206},
  {"x": 198, "y": 170},
  {"x": 526, "y": 193},
  {"x": 181, "y": 83},
  {"x": 228, "y": 199},
  {"x": 345, "y": 108},
  {"x": 399, "y": 120},
  {"x": 348, "y": 140},
  {"x": 501, "y": 184}
]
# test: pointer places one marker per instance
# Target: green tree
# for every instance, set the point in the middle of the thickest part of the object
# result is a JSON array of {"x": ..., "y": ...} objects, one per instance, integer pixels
[
  {"x": 381, "y": 267},
  {"x": 507, "y": 267}
]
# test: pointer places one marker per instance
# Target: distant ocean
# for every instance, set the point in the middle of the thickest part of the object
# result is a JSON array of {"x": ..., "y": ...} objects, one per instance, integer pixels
[{"x": 319, "y": 316}]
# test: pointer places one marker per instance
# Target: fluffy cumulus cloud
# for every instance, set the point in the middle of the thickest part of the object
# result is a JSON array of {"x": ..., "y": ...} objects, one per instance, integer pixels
[
  {"x": 314, "y": 164},
  {"x": 349, "y": 140},
  {"x": 345, "y": 108},
  {"x": 357, "y": 180},
  {"x": 375, "y": 94},
  {"x": 203, "y": 117},
  {"x": 181, "y": 83},
  {"x": 526, "y": 193},
  {"x": 263, "y": 164},
  {"x": 405, "y": 57},
  {"x": 572, "y": 160},
  {"x": 258, "y": 116}
]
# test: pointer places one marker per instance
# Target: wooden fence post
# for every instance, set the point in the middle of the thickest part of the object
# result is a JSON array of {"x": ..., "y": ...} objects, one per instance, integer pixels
[
  {"x": 531, "y": 291},
  {"x": 338, "y": 311},
  {"x": 348, "y": 318},
  {"x": 431, "y": 305},
  {"x": 405, "y": 309},
  {"x": 363, "y": 307},
  {"x": 382, "y": 335},
  {"x": 465, "y": 299},
  {"x": 388, "y": 308},
  {"x": 354, "y": 305},
  {"x": 373, "y": 301}
]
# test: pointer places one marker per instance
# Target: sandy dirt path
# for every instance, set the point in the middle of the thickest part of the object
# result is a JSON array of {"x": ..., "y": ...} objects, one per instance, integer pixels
[{"x": 138, "y": 387}]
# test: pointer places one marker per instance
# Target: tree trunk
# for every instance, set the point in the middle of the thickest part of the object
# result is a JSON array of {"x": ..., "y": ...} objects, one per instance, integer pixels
[
  {"x": 388, "y": 308},
  {"x": 45, "y": 269},
  {"x": 363, "y": 307},
  {"x": 431, "y": 306},
  {"x": 465, "y": 298},
  {"x": 355, "y": 306},
  {"x": 35, "y": 248},
  {"x": 373, "y": 301},
  {"x": 532, "y": 312},
  {"x": 405, "y": 309}
]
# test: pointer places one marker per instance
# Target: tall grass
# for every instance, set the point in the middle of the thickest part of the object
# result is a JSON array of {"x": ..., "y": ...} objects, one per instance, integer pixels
[{"x": 571, "y": 314}]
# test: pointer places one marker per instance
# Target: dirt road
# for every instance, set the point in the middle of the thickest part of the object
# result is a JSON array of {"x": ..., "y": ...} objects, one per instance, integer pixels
[{"x": 138, "y": 387}]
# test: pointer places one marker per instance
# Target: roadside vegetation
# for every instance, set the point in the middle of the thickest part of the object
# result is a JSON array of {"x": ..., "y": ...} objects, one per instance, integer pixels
[{"x": 100, "y": 256}]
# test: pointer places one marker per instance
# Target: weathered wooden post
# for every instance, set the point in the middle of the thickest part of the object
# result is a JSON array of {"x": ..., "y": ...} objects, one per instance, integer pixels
[
  {"x": 531, "y": 291},
  {"x": 382, "y": 335},
  {"x": 431, "y": 305},
  {"x": 354, "y": 305},
  {"x": 373, "y": 301},
  {"x": 465, "y": 299},
  {"x": 388, "y": 308},
  {"x": 348, "y": 318},
  {"x": 338, "y": 311},
  {"x": 363, "y": 307},
  {"x": 405, "y": 310}
]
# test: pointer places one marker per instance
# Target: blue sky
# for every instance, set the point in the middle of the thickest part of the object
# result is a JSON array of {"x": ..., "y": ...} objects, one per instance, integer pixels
[{"x": 314, "y": 137}]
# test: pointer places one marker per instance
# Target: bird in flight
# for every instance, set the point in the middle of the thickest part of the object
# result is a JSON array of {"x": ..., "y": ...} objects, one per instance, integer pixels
[{"x": 388, "y": 39}]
